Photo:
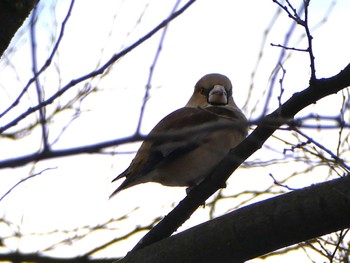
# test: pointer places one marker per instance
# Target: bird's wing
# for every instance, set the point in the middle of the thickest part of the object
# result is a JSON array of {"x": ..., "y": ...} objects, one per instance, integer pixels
[{"x": 153, "y": 153}]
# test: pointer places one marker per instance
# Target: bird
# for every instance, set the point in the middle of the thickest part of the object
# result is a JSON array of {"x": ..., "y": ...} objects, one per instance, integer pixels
[{"x": 211, "y": 125}]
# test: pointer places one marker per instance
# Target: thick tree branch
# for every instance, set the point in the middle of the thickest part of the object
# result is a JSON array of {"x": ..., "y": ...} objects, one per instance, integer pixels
[
  {"x": 12, "y": 16},
  {"x": 37, "y": 258},
  {"x": 259, "y": 228},
  {"x": 46, "y": 64}
]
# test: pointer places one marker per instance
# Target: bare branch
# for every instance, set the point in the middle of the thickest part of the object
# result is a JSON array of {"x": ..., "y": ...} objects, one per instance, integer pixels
[
  {"x": 97, "y": 72},
  {"x": 23, "y": 180},
  {"x": 304, "y": 23},
  {"x": 38, "y": 258},
  {"x": 309, "y": 39},
  {"x": 267, "y": 31},
  {"x": 290, "y": 48},
  {"x": 39, "y": 90},
  {"x": 295, "y": 15},
  {"x": 151, "y": 71},
  {"x": 277, "y": 68},
  {"x": 98, "y": 147},
  {"x": 319, "y": 145},
  {"x": 45, "y": 66}
]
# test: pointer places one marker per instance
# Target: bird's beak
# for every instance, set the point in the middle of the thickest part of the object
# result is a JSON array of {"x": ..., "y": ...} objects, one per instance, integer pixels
[{"x": 218, "y": 95}]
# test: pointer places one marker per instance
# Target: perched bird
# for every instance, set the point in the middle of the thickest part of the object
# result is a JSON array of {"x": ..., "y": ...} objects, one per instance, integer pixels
[{"x": 212, "y": 124}]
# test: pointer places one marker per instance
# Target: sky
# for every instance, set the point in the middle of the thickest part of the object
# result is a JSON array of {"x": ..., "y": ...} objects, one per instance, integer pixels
[{"x": 225, "y": 37}]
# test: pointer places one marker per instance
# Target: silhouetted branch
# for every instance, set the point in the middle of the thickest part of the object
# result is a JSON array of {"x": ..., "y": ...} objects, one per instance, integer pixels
[
  {"x": 259, "y": 228},
  {"x": 151, "y": 70},
  {"x": 38, "y": 258},
  {"x": 96, "y": 72},
  {"x": 99, "y": 147},
  {"x": 12, "y": 15},
  {"x": 46, "y": 64}
]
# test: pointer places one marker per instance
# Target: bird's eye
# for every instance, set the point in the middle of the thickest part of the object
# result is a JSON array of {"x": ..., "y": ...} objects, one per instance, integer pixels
[{"x": 204, "y": 91}]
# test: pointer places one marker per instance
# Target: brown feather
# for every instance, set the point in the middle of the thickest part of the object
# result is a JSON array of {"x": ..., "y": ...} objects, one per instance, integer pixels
[{"x": 185, "y": 160}]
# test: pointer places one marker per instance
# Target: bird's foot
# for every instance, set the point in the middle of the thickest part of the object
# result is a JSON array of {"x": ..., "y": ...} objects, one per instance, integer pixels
[{"x": 188, "y": 193}]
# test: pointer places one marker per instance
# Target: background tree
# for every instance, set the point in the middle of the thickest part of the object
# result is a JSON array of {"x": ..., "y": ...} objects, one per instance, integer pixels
[{"x": 66, "y": 100}]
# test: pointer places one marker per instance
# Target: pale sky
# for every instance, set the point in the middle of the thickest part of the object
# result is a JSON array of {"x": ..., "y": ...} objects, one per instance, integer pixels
[{"x": 211, "y": 36}]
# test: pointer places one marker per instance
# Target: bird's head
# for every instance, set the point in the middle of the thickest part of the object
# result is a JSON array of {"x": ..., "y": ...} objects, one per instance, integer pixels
[{"x": 212, "y": 89}]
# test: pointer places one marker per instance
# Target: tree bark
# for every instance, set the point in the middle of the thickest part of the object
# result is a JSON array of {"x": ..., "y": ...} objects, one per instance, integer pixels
[
  {"x": 259, "y": 228},
  {"x": 12, "y": 16}
]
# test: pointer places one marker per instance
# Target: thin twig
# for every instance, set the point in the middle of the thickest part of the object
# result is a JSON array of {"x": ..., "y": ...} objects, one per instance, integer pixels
[
  {"x": 39, "y": 90},
  {"x": 295, "y": 16},
  {"x": 277, "y": 68},
  {"x": 151, "y": 71},
  {"x": 280, "y": 184},
  {"x": 267, "y": 31},
  {"x": 334, "y": 156},
  {"x": 23, "y": 180},
  {"x": 98, "y": 71},
  {"x": 46, "y": 64},
  {"x": 290, "y": 48},
  {"x": 342, "y": 234},
  {"x": 309, "y": 39},
  {"x": 305, "y": 23},
  {"x": 99, "y": 147},
  {"x": 281, "y": 86}
]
